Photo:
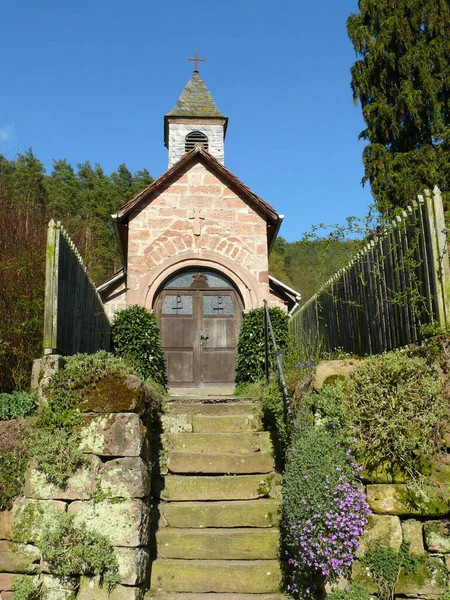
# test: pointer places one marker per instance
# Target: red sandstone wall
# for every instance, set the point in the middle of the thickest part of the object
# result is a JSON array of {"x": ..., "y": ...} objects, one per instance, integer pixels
[{"x": 163, "y": 229}]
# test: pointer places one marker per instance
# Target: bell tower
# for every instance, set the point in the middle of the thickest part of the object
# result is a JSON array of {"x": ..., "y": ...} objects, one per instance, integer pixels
[{"x": 195, "y": 120}]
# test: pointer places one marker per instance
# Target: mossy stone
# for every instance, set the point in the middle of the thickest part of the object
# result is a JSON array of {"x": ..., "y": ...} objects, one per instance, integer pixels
[
  {"x": 31, "y": 517},
  {"x": 218, "y": 544},
  {"x": 437, "y": 536},
  {"x": 114, "y": 394},
  {"x": 397, "y": 499},
  {"x": 380, "y": 529},
  {"x": 429, "y": 581}
]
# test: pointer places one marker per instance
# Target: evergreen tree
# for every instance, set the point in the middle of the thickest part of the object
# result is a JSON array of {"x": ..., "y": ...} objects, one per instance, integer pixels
[{"x": 402, "y": 80}]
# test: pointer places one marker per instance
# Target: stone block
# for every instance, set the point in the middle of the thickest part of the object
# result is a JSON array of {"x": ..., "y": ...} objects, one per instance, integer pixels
[
  {"x": 79, "y": 487},
  {"x": 208, "y": 463},
  {"x": 90, "y": 590},
  {"x": 225, "y": 423},
  {"x": 31, "y": 517},
  {"x": 361, "y": 576},
  {"x": 244, "y": 407},
  {"x": 413, "y": 534},
  {"x": 18, "y": 558},
  {"x": 239, "y": 487},
  {"x": 218, "y": 544},
  {"x": 124, "y": 478},
  {"x": 380, "y": 529},
  {"x": 134, "y": 564},
  {"x": 220, "y": 576},
  {"x": 226, "y": 442},
  {"x": 396, "y": 499},
  {"x": 6, "y": 581},
  {"x": 121, "y": 434},
  {"x": 113, "y": 395},
  {"x": 332, "y": 369},
  {"x": 176, "y": 423},
  {"x": 250, "y": 513},
  {"x": 124, "y": 523},
  {"x": 59, "y": 587},
  {"x": 429, "y": 581},
  {"x": 437, "y": 536},
  {"x": 5, "y": 524}
]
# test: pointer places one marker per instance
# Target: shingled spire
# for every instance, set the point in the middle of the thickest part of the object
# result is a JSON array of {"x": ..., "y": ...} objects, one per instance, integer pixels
[{"x": 195, "y": 119}]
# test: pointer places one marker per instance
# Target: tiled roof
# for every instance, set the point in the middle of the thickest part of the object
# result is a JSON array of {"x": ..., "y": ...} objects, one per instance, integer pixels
[{"x": 195, "y": 100}]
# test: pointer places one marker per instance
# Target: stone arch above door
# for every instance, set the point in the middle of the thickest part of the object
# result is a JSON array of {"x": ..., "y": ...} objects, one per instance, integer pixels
[{"x": 251, "y": 291}]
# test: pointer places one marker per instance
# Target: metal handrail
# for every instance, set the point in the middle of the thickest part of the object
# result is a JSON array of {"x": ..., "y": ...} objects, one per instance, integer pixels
[{"x": 279, "y": 356}]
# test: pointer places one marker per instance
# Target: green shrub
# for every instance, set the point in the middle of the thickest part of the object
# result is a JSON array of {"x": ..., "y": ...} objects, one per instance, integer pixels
[
  {"x": 57, "y": 454},
  {"x": 72, "y": 549},
  {"x": 384, "y": 564},
  {"x": 272, "y": 405},
  {"x": 26, "y": 588},
  {"x": 352, "y": 592},
  {"x": 251, "y": 349},
  {"x": 395, "y": 407},
  {"x": 16, "y": 405},
  {"x": 331, "y": 407},
  {"x": 136, "y": 337},
  {"x": 12, "y": 471}
]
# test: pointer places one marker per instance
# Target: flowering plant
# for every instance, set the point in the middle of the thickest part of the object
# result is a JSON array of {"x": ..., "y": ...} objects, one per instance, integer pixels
[{"x": 324, "y": 511}]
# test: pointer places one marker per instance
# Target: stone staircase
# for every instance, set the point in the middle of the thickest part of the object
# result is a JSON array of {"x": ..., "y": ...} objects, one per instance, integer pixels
[{"x": 217, "y": 535}]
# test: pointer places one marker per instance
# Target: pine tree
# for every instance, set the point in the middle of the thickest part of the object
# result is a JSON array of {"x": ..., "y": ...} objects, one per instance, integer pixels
[{"x": 402, "y": 80}]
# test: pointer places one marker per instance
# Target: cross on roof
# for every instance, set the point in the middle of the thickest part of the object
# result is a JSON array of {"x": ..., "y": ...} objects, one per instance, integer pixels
[{"x": 197, "y": 60}]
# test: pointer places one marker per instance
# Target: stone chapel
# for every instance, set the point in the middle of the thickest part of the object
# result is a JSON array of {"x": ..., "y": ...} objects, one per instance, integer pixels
[{"x": 195, "y": 245}]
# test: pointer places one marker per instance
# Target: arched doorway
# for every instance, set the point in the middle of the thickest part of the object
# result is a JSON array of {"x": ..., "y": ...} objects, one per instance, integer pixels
[{"x": 199, "y": 312}]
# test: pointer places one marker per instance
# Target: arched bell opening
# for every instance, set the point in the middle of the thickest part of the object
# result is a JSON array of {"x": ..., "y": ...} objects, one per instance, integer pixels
[{"x": 199, "y": 312}]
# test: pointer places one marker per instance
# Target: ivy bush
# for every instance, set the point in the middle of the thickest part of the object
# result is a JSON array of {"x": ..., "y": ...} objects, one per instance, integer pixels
[
  {"x": 251, "y": 349},
  {"x": 16, "y": 405},
  {"x": 136, "y": 337},
  {"x": 72, "y": 549},
  {"x": 394, "y": 408},
  {"x": 324, "y": 509}
]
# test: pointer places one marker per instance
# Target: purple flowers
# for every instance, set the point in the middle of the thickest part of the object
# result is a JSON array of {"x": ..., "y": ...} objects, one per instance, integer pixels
[
  {"x": 322, "y": 541},
  {"x": 305, "y": 365}
]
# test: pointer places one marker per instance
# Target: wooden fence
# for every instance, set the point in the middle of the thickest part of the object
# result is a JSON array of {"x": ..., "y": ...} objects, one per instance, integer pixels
[
  {"x": 390, "y": 293},
  {"x": 75, "y": 319}
]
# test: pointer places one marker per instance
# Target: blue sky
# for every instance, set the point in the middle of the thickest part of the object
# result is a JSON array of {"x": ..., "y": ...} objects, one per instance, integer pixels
[{"x": 92, "y": 80}]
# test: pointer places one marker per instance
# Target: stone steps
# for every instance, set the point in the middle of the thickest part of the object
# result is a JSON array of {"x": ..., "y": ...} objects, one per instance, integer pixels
[
  {"x": 219, "y": 576},
  {"x": 219, "y": 505},
  {"x": 220, "y": 462},
  {"x": 213, "y": 596},
  {"x": 178, "y": 488},
  {"x": 238, "y": 513},
  {"x": 218, "y": 544},
  {"x": 225, "y": 442}
]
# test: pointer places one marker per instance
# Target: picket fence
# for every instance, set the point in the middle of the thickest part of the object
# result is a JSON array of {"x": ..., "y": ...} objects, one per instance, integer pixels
[
  {"x": 390, "y": 294},
  {"x": 75, "y": 319}
]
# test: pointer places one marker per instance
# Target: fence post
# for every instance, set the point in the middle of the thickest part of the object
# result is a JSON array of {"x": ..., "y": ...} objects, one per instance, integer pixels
[
  {"x": 51, "y": 288},
  {"x": 441, "y": 268}
]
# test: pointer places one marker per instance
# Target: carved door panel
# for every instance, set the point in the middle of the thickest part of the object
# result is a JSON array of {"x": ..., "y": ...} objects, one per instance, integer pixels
[
  {"x": 219, "y": 327},
  {"x": 199, "y": 329},
  {"x": 179, "y": 339}
]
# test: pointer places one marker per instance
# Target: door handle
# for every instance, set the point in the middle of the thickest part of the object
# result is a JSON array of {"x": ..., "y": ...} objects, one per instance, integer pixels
[{"x": 203, "y": 336}]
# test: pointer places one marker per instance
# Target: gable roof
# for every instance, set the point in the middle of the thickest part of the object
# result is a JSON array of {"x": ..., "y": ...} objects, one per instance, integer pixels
[
  {"x": 195, "y": 100},
  {"x": 200, "y": 154}
]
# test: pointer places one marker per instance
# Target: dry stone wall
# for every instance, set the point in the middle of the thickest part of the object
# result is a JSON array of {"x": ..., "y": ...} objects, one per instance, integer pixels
[{"x": 110, "y": 495}]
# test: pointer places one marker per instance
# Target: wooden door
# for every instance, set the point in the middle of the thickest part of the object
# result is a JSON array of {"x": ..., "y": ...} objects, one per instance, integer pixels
[{"x": 199, "y": 330}]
